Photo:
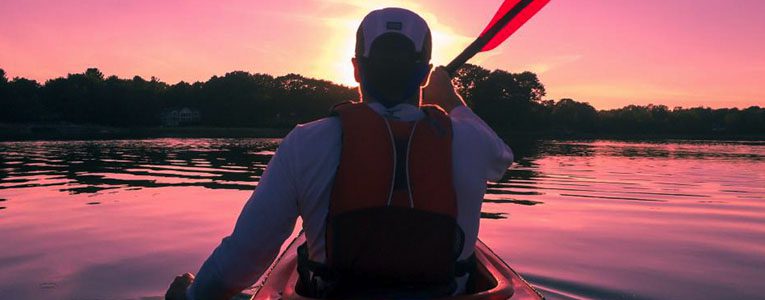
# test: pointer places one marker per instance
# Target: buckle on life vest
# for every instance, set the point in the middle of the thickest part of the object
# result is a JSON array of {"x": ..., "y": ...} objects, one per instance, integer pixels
[
  {"x": 466, "y": 266},
  {"x": 316, "y": 280}
]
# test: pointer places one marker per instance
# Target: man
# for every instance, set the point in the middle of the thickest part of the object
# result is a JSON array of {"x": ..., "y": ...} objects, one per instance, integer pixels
[{"x": 389, "y": 190}]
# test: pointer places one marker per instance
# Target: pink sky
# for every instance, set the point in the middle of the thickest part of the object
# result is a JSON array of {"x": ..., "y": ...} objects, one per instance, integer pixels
[{"x": 607, "y": 52}]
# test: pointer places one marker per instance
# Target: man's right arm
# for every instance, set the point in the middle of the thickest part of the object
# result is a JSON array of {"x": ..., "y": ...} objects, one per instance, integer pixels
[
  {"x": 498, "y": 155},
  {"x": 440, "y": 91}
]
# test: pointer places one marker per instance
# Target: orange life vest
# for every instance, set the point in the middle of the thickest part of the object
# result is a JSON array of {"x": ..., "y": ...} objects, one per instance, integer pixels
[{"x": 392, "y": 218}]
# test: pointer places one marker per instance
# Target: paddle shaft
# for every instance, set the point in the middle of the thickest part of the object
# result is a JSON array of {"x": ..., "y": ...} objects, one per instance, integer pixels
[{"x": 484, "y": 39}]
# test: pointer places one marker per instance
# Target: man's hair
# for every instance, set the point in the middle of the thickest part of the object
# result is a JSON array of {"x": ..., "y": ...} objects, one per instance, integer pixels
[{"x": 393, "y": 70}]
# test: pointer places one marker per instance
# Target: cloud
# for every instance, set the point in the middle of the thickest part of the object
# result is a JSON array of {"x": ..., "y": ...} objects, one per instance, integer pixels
[{"x": 553, "y": 62}]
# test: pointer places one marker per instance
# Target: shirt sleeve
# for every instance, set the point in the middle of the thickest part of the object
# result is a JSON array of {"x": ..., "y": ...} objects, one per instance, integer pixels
[
  {"x": 266, "y": 221},
  {"x": 499, "y": 155}
]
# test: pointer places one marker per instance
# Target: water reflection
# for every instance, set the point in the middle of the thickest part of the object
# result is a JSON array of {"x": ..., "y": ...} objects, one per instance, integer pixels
[
  {"x": 91, "y": 167},
  {"x": 600, "y": 219},
  {"x": 676, "y": 220}
]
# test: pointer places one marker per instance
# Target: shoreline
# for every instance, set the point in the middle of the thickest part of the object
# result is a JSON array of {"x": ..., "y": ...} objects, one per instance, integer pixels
[
  {"x": 632, "y": 137},
  {"x": 66, "y": 132},
  {"x": 70, "y": 132}
]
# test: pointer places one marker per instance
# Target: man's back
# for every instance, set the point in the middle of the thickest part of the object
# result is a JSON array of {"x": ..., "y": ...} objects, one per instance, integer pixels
[
  {"x": 313, "y": 152},
  {"x": 298, "y": 182},
  {"x": 391, "y": 64}
]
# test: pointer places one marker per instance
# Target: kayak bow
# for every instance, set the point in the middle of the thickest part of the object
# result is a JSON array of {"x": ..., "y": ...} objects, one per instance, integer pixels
[{"x": 493, "y": 279}]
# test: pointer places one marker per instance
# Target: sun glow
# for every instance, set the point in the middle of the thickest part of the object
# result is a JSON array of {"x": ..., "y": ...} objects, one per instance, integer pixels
[
  {"x": 334, "y": 62},
  {"x": 607, "y": 54}
]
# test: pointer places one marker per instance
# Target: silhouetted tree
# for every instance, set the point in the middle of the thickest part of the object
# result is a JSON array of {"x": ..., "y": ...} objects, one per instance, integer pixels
[
  {"x": 20, "y": 100},
  {"x": 569, "y": 115},
  {"x": 467, "y": 78},
  {"x": 507, "y": 101},
  {"x": 503, "y": 99}
]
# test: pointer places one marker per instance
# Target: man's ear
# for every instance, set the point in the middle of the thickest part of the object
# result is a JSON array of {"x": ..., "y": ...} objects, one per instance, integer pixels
[
  {"x": 356, "y": 71},
  {"x": 427, "y": 76}
]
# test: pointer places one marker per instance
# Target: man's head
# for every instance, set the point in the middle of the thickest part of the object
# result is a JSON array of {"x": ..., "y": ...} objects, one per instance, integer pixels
[{"x": 393, "y": 47}]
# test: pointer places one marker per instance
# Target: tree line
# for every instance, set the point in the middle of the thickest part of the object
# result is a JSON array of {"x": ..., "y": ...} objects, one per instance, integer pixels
[{"x": 509, "y": 102}]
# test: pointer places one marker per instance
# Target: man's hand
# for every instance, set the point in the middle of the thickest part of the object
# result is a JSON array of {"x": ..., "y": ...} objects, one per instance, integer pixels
[
  {"x": 440, "y": 91},
  {"x": 177, "y": 289}
]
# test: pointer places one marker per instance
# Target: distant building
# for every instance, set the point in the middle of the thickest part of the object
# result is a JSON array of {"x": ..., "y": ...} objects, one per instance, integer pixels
[{"x": 181, "y": 117}]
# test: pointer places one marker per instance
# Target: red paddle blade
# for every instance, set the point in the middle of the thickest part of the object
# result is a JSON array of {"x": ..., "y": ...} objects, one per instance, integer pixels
[{"x": 534, "y": 7}]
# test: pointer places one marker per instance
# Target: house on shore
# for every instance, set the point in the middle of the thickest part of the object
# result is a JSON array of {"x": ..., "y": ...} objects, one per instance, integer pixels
[{"x": 181, "y": 117}]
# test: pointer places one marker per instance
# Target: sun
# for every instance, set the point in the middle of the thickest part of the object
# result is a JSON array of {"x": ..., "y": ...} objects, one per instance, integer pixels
[
  {"x": 342, "y": 66},
  {"x": 334, "y": 60}
]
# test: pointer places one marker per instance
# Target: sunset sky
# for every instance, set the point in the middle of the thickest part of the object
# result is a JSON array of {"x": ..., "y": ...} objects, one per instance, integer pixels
[{"x": 609, "y": 53}]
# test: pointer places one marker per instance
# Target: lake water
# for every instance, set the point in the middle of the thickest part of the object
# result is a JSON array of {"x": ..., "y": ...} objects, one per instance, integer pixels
[{"x": 579, "y": 219}]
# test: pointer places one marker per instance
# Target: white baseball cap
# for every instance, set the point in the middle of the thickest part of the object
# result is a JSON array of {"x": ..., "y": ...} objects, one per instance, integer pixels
[{"x": 394, "y": 20}]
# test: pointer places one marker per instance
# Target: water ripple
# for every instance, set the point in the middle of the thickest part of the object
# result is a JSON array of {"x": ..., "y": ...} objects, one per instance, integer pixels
[{"x": 580, "y": 219}]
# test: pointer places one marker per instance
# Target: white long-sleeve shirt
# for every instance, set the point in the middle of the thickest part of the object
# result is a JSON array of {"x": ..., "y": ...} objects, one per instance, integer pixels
[{"x": 298, "y": 182}]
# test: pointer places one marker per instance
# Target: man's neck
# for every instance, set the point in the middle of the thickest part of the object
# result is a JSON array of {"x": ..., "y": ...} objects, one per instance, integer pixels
[
  {"x": 411, "y": 101},
  {"x": 401, "y": 112}
]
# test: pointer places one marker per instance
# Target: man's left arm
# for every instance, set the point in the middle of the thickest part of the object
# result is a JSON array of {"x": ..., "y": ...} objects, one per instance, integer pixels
[{"x": 266, "y": 221}]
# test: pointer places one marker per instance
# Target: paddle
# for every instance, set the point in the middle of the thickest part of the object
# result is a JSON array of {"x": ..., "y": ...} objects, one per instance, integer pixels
[{"x": 510, "y": 16}]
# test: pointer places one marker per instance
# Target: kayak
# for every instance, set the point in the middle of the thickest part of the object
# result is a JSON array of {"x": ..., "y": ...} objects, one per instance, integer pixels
[{"x": 493, "y": 278}]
